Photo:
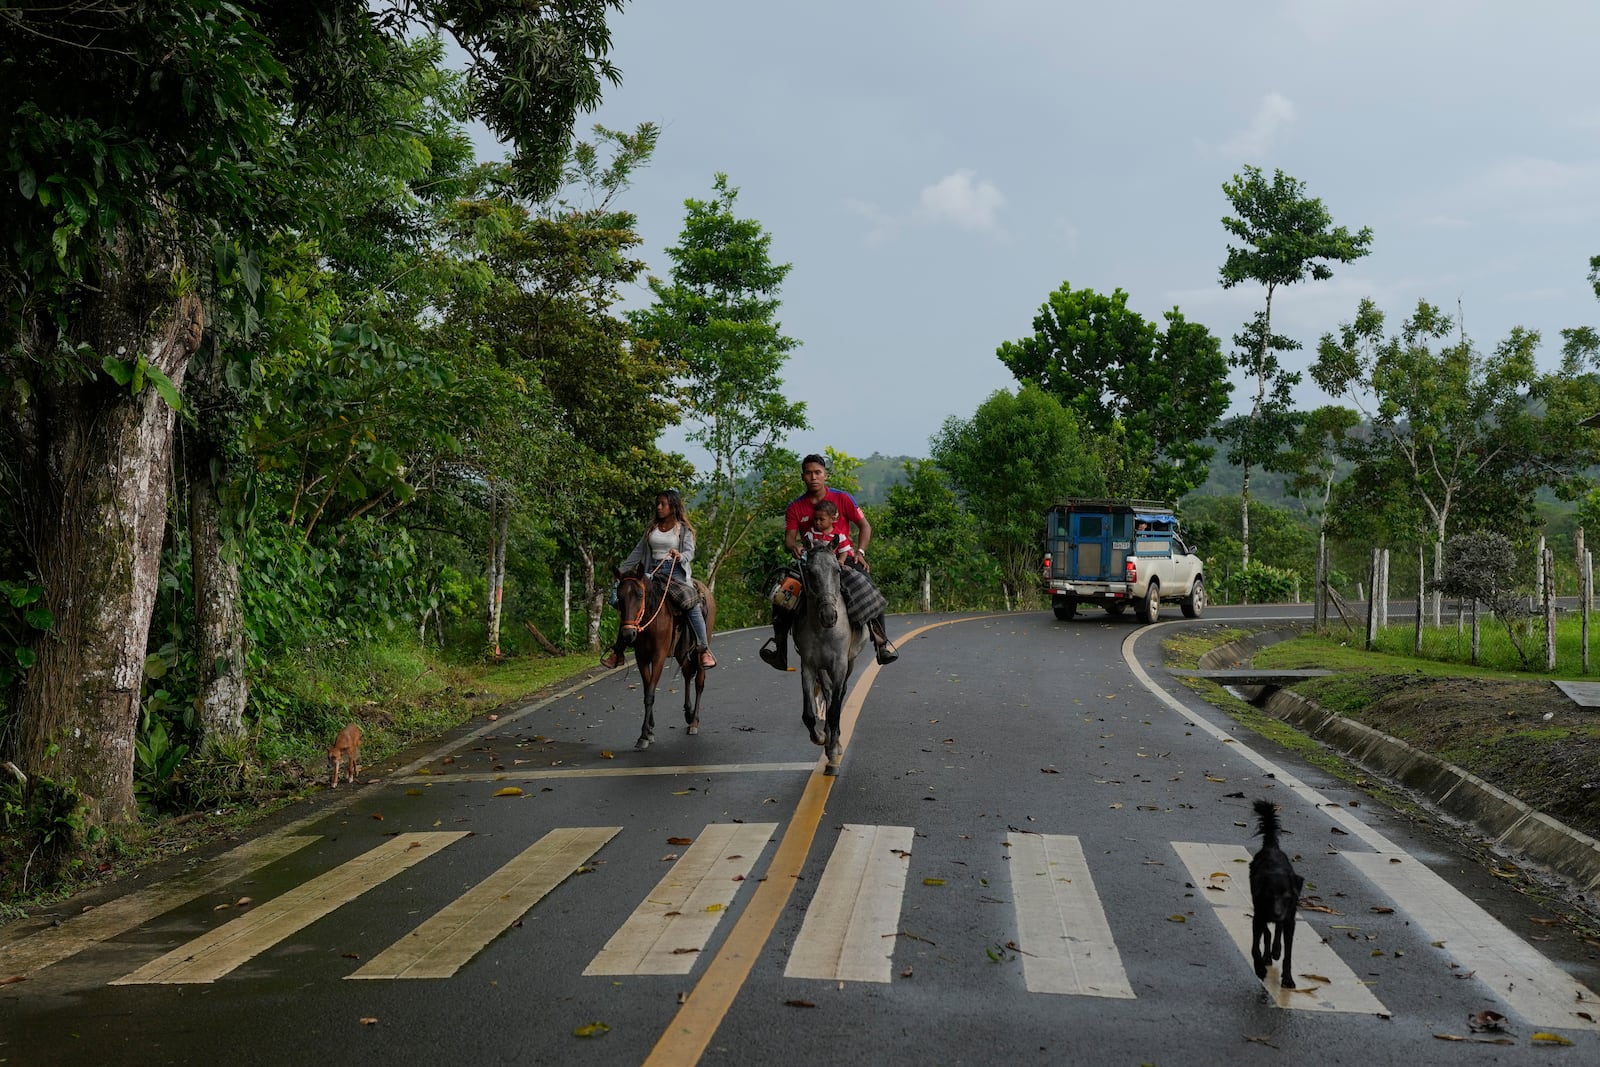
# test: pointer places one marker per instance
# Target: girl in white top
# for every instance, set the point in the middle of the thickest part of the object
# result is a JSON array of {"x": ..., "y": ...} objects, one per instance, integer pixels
[{"x": 668, "y": 544}]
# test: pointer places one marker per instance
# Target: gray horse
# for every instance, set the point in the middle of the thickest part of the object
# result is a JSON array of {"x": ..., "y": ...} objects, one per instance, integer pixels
[{"x": 828, "y": 643}]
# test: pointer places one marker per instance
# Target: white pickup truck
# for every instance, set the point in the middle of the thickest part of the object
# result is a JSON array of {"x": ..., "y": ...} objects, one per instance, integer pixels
[{"x": 1113, "y": 553}]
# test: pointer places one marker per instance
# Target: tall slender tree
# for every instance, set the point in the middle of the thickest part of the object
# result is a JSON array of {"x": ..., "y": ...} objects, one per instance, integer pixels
[
  {"x": 1284, "y": 237},
  {"x": 717, "y": 316}
]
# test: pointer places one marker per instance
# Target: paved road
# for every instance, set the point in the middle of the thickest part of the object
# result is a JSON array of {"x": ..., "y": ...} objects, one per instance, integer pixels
[{"x": 1035, "y": 852}]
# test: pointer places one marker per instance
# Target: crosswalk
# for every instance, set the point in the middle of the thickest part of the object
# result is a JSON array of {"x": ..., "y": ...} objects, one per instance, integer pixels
[{"x": 850, "y": 930}]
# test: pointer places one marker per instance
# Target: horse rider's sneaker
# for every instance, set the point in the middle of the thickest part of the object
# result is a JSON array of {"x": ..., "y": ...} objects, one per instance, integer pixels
[
  {"x": 887, "y": 653},
  {"x": 707, "y": 660},
  {"x": 611, "y": 659},
  {"x": 774, "y": 654}
]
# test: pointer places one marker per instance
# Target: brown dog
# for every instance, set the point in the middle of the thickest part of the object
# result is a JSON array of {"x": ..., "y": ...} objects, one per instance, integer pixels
[{"x": 346, "y": 745}]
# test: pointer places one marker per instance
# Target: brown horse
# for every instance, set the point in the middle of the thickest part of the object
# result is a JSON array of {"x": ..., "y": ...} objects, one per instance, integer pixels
[{"x": 655, "y": 631}]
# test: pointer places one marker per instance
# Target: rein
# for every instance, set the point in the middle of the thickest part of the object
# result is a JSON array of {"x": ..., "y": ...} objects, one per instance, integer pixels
[{"x": 639, "y": 621}]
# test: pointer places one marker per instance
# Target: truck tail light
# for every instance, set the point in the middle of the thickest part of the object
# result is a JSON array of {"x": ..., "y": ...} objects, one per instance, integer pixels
[
  {"x": 1047, "y": 565},
  {"x": 1131, "y": 571}
]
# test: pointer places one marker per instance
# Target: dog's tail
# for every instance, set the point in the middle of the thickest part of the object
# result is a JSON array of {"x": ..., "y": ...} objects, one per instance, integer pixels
[{"x": 1267, "y": 823}]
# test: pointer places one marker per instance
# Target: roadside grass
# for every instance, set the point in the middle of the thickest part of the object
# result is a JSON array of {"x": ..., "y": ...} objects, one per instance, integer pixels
[
  {"x": 1185, "y": 650},
  {"x": 399, "y": 695}
]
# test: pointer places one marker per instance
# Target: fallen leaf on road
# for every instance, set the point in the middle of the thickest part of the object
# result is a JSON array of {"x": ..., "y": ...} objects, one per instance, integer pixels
[
  {"x": 1317, "y": 978},
  {"x": 680, "y": 840},
  {"x": 14, "y": 979},
  {"x": 1214, "y": 778},
  {"x": 591, "y": 1030},
  {"x": 1544, "y": 1037},
  {"x": 1176, "y": 919},
  {"x": 1048, "y": 770},
  {"x": 607, "y": 754},
  {"x": 369, "y": 1020},
  {"x": 509, "y": 791},
  {"x": 933, "y": 881},
  {"x": 1479, "y": 1021},
  {"x": 799, "y": 1003},
  {"x": 1382, "y": 909}
]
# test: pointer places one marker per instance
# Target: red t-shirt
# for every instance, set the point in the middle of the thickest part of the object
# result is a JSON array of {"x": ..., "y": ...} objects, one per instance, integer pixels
[
  {"x": 838, "y": 542},
  {"x": 798, "y": 516}
]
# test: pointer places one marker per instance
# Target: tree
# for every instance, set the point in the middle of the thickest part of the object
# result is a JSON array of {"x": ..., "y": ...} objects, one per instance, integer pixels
[
  {"x": 718, "y": 318},
  {"x": 1455, "y": 424},
  {"x": 1017, "y": 455},
  {"x": 1311, "y": 463},
  {"x": 140, "y": 134},
  {"x": 1145, "y": 398},
  {"x": 925, "y": 529},
  {"x": 1286, "y": 237},
  {"x": 587, "y": 460}
]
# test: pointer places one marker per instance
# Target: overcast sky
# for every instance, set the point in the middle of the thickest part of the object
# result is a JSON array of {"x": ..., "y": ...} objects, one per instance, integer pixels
[{"x": 934, "y": 170}]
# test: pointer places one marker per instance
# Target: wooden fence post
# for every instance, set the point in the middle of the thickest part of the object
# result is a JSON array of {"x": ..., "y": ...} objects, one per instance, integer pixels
[
  {"x": 1422, "y": 582},
  {"x": 1547, "y": 567},
  {"x": 1585, "y": 594},
  {"x": 1372, "y": 601}
]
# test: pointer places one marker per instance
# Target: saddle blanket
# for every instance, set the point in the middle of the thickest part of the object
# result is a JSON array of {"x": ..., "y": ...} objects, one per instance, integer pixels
[
  {"x": 862, "y": 600},
  {"x": 684, "y": 597}
]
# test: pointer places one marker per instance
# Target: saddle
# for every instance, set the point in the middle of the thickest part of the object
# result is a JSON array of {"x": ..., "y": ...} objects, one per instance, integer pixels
[{"x": 863, "y": 601}]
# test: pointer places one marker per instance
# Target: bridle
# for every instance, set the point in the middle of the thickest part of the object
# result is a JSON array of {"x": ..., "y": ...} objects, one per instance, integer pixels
[{"x": 640, "y": 622}]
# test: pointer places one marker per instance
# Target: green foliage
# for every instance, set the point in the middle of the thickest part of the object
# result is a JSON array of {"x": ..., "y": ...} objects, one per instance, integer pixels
[
  {"x": 44, "y": 825},
  {"x": 924, "y": 528},
  {"x": 1147, "y": 398},
  {"x": 717, "y": 318},
  {"x": 1016, "y": 455},
  {"x": 1285, "y": 237},
  {"x": 21, "y": 616},
  {"x": 1453, "y": 432},
  {"x": 1258, "y": 583}
]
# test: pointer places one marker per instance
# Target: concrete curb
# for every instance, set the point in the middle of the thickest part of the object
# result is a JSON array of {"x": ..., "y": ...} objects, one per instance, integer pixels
[{"x": 1510, "y": 824}]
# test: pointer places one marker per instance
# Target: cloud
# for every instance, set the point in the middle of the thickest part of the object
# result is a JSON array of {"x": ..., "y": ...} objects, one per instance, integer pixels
[
  {"x": 1274, "y": 114},
  {"x": 959, "y": 200}
]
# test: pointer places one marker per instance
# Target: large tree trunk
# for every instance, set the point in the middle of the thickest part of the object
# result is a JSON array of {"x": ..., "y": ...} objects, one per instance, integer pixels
[
  {"x": 218, "y": 609},
  {"x": 99, "y": 460}
]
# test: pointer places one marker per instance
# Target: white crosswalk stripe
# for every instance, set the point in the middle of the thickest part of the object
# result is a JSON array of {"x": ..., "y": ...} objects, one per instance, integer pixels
[
  {"x": 441, "y": 945},
  {"x": 850, "y": 925},
  {"x": 1062, "y": 931},
  {"x": 668, "y": 930},
  {"x": 1535, "y": 988},
  {"x": 209, "y": 957}
]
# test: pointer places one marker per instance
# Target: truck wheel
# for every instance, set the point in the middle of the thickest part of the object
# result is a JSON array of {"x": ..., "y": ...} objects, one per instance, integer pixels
[
  {"x": 1066, "y": 609},
  {"x": 1150, "y": 606},
  {"x": 1194, "y": 605}
]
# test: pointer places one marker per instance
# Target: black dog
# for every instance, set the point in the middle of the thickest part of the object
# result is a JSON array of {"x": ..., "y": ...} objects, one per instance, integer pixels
[{"x": 1275, "y": 894}]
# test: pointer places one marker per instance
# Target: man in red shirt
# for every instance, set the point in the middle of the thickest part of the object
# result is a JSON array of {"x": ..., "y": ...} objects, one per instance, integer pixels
[{"x": 797, "y": 521}]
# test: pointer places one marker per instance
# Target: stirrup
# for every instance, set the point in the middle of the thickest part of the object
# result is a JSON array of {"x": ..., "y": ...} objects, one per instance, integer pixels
[
  {"x": 775, "y": 654},
  {"x": 612, "y": 659},
  {"x": 887, "y": 653},
  {"x": 707, "y": 660}
]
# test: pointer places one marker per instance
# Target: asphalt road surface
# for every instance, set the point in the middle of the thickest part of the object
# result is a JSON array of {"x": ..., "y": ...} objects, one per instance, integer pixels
[{"x": 1035, "y": 852}]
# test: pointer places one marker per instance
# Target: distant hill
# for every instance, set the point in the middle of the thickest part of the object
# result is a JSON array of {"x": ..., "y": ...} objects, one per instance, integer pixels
[{"x": 879, "y": 472}]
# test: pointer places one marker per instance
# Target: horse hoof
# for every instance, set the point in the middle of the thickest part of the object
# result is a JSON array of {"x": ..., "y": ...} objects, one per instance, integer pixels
[
  {"x": 642, "y": 744},
  {"x": 831, "y": 769},
  {"x": 694, "y": 728}
]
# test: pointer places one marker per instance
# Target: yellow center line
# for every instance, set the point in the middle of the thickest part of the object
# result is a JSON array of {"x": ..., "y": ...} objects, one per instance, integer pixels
[{"x": 703, "y": 1010}]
